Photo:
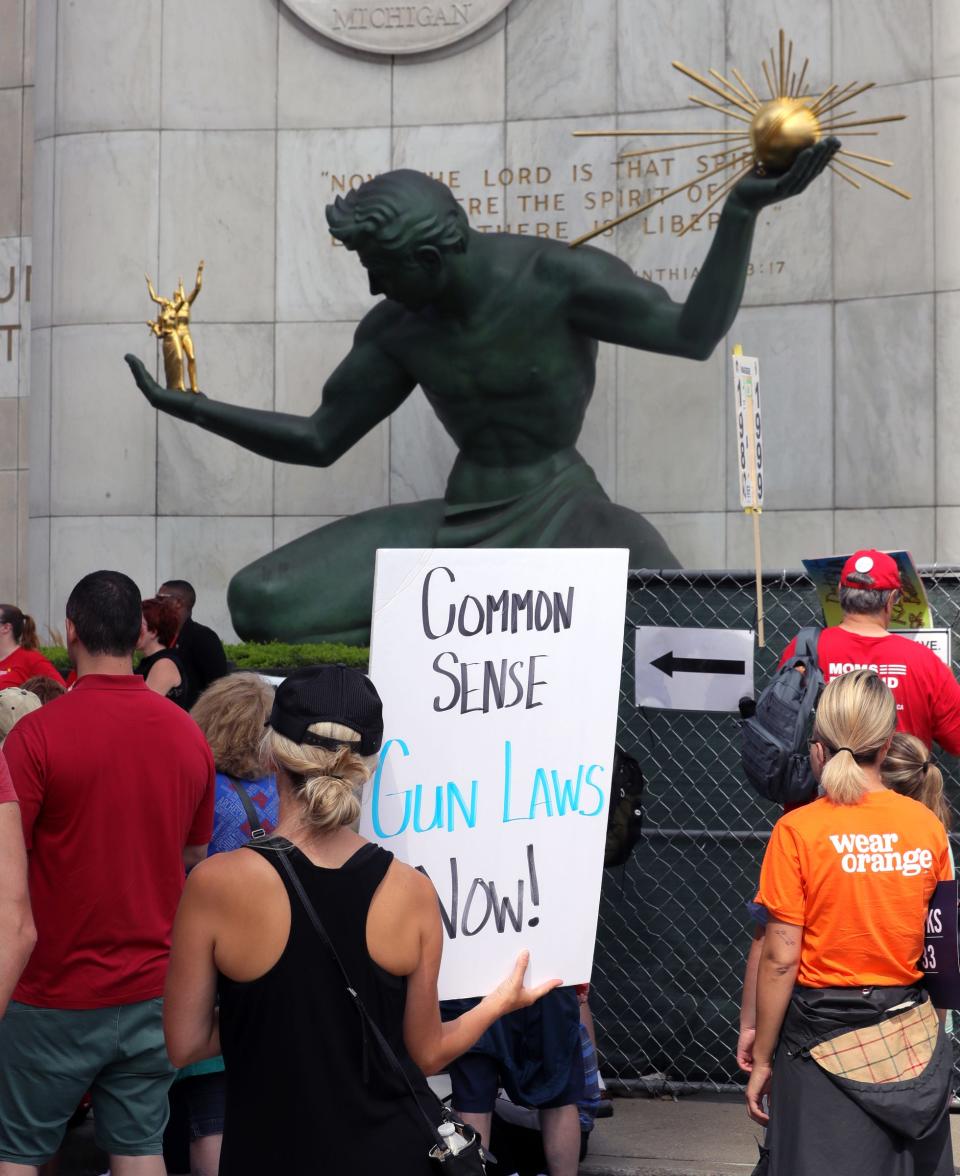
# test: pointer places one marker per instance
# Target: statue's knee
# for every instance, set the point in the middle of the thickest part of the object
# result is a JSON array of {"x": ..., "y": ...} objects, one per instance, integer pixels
[{"x": 250, "y": 600}]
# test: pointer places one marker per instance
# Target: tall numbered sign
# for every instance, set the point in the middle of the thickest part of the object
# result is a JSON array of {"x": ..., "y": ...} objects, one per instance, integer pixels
[{"x": 746, "y": 383}]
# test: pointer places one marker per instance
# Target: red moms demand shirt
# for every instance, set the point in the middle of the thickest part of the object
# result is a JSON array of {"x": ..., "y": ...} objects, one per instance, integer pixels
[
  {"x": 927, "y": 694},
  {"x": 113, "y": 781}
]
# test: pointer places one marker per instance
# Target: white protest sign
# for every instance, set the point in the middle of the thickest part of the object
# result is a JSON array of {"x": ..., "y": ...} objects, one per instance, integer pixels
[
  {"x": 693, "y": 669},
  {"x": 939, "y": 640},
  {"x": 500, "y": 673},
  {"x": 746, "y": 385}
]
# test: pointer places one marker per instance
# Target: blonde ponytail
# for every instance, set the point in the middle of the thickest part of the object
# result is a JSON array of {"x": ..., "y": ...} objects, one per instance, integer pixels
[
  {"x": 909, "y": 770},
  {"x": 324, "y": 781},
  {"x": 856, "y": 715}
]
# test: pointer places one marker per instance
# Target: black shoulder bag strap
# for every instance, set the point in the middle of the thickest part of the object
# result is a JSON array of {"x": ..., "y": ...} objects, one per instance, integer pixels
[
  {"x": 257, "y": 831},
  {"x": 366, "y": 1020}
]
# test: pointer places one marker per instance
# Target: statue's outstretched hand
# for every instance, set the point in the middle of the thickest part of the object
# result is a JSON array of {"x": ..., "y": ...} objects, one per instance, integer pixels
[
  {"x": 758, "y": 191},
  {"x": 159, "y": 397}
]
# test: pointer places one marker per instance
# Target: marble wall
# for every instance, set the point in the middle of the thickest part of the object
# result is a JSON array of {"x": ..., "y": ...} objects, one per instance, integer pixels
[
  {"x": 220, "y": 130},
  {"x": 16, "y": 148}
]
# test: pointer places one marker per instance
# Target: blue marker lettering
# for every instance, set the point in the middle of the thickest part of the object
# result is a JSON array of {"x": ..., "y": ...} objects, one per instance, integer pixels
[
  {"x": 601, "y": 795},
  {"x": 377, "y": 783},
  {"x": 454, "y": 796},
  {"x": 437, "y": 821},
  {"x": 567, "y": 795},
  {"x": 540, "y": 787},
  {"x": 507, "y": 761}
]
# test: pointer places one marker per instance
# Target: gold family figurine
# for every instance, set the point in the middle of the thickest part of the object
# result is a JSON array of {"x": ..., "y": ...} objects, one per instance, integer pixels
[{"x": 172, "y": 328}]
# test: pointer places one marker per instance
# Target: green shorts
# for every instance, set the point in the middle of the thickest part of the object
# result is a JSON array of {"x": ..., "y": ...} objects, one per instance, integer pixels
[{"x": 49, "y": 1058}]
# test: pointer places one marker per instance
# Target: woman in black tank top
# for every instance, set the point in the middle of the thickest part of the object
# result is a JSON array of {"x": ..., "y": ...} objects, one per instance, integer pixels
[
  {"x": 161, "y": 667},
  {"x": 304, "y": 1092}
]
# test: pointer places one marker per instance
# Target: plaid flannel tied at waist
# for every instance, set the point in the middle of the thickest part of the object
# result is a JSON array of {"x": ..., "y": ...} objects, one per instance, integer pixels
[
  {"x": 893, "y": 1050},
  {"x": 883, "y": 1047}
]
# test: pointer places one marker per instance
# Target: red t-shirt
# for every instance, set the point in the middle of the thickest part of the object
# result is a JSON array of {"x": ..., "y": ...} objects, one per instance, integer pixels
[
  {"x": 24, "y": 664},
  {"x": 927, "y": 694},
  {"x": 7, "y": 792},
  {"x": 113, "y": 781}
]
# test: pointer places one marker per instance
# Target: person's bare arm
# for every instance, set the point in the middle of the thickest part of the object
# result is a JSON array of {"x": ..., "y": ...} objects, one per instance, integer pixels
[
  {"x": 610, "y": 303},
  {"x": 779, "y": 961},
  {"x": 17, "y": 932},
  {"x": 365, "y": 389},
  {"x": 190, "y": 1023},
  {"x": 748, "y": 1003},
  {"x": 431, "y": 1042},
  {"x": 164, "y": 676}
]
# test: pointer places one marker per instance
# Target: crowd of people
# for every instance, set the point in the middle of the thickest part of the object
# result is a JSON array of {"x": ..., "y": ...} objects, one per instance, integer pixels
[
  {"x": 109, "y": 794},
  {"x": 195, "y": 941},
  {"x": 836, "y": 1027}
]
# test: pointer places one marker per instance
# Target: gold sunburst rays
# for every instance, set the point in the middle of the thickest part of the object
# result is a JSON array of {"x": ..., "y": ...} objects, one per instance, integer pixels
[{"x": 773, "y": 132}]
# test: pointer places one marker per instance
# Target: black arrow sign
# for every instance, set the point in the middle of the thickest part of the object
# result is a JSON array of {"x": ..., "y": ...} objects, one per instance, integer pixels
[{"x": 668, "y": 664}]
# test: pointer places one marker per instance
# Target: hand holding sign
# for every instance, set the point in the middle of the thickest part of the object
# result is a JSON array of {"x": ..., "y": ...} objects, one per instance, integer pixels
[{"x": 510, "y": 993}]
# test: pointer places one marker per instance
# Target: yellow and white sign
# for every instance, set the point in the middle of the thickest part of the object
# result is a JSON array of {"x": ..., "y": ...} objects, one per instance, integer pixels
[{"x": 746, "y": 384}]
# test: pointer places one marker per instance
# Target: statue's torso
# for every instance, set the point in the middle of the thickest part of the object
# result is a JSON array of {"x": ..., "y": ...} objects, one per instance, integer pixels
[{"x": 512, "y": 386}]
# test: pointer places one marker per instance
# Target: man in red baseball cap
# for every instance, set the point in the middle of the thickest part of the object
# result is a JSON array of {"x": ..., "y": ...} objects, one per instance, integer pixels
[{"x": 927, "y": 694}]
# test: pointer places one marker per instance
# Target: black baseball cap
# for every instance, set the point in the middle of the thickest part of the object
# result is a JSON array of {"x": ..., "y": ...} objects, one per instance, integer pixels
[{"x": 328, "y": 694}]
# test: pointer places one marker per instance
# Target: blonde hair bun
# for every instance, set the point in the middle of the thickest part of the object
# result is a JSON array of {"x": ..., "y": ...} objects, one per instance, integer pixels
[{"x": 326, "y": 781}]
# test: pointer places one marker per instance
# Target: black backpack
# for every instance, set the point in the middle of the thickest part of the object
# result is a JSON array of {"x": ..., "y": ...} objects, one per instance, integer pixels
[
  {"x": 625, "y": 815},
  {"x": 774, "y": 747}
]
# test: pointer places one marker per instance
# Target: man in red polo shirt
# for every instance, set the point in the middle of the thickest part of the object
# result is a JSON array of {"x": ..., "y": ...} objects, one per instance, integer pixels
[
  {"x": 927, "y": 693},
  {"x": 17, "y": 933},
  {"x": 115, "y": 785}
]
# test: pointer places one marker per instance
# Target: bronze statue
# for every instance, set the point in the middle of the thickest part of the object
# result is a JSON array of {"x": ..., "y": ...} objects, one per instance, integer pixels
[
  {"x": 172, "y": 328},
  {"x": 501, "y": 333}
]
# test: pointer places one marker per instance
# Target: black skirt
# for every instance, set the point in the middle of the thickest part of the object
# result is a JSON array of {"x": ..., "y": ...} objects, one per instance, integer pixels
[{"x": 821, "y": 1123}]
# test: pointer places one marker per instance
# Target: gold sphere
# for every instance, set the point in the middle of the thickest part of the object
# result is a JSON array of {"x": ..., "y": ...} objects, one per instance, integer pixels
[{"x": 780, "y": 130}]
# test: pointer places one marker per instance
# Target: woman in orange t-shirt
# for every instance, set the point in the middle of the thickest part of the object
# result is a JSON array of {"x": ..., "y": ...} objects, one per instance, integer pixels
[{"x": 862, "y": 1076}]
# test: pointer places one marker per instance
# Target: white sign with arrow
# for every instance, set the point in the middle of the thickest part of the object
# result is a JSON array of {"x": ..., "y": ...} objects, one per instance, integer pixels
[{"x": 693, "y": 669}]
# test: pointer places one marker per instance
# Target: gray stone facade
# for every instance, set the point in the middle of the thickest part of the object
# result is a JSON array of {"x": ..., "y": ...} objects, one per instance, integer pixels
[
  {"x": 220, "y": 130},
  {"x": 17, "y": 41}
]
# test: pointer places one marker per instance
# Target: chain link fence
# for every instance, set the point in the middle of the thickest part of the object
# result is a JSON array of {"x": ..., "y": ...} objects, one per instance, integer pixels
[{"x": 673, "y": 932}]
